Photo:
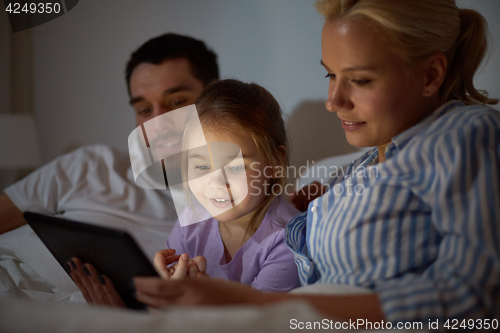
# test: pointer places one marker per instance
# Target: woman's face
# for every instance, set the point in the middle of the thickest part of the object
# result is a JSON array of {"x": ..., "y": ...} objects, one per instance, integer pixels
[
  {"x": 226, "y": 174},
  {"x": 369, "y": 87}
]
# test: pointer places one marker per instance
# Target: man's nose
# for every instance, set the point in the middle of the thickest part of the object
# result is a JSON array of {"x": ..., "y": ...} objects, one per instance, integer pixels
[
  {"x": 162, "y": 120},
  {"x": 159, "y": 109}
]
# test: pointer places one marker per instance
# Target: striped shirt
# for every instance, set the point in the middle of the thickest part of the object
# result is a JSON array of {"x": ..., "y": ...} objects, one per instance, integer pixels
[{"x": 422, "y": 229}]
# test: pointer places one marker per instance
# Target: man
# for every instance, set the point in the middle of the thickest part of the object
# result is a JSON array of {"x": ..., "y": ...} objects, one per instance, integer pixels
[{"x": 95, "y": 183}]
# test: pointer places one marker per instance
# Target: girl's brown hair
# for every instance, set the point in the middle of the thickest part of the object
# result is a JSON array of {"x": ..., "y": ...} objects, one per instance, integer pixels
[
  {"x": 236, "y": 107},
  {"x": 417, "y": 29}
]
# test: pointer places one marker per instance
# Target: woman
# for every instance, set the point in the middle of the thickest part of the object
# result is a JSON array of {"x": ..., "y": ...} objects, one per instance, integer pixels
[{"x": 416, "y": 219}]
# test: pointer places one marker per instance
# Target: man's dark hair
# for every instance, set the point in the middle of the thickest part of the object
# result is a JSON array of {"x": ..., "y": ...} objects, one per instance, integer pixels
[{"x": 203, "y": 61}]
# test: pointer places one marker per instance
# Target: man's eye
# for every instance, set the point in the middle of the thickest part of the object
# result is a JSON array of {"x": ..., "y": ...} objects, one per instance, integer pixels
[
  {"x": 144, "y": 112},
  {"x": 178, "y": 103}
]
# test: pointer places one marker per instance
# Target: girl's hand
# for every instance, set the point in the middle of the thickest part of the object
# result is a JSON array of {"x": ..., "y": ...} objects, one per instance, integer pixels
[
  {"x": 301, "y": 198},
  {"x": 183, "y": 267},
  {"x": 96, "y": 289},
  {"x": 163, "y": 259}
]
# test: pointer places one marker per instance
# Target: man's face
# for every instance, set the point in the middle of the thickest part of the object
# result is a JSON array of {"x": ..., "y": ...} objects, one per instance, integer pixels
[{"x": 157, "y": 89}]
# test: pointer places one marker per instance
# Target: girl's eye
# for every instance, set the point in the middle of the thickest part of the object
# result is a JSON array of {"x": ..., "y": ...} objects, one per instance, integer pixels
[
  {"x": 330, "y": 76},
  {"x": 237, "y": 168},
  {"x": 361, "y": 82},
  {"x": 202, "y": 168}
]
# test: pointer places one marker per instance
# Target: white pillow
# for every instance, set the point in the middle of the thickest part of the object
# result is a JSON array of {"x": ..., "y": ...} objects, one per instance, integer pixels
[{"x": 321, "y": 171}]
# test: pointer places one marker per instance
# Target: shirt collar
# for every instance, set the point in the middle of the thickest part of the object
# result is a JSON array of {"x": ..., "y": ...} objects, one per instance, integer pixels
[{"x": 401, "y": 140}]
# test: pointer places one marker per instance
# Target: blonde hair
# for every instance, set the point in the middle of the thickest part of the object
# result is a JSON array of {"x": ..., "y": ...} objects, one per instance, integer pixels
[
  {"x": 417, "y": 29},
  {"x": 235, "y": 107}
]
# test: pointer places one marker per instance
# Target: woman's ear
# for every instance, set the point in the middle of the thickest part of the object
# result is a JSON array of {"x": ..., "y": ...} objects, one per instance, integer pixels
[{"x": 435, "y": 72}]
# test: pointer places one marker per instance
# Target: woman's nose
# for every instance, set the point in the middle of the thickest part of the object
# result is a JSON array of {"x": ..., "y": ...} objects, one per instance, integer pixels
[{"x": 338, "y": 98}]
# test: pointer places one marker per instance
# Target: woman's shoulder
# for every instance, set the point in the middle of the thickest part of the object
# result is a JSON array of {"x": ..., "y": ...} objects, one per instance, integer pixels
[
  {"x": 454, "y": 129},
  {"x": 464, "y": 138},
  {"x": 462, "y": 119},
  {"x": 280, "y": 212}
]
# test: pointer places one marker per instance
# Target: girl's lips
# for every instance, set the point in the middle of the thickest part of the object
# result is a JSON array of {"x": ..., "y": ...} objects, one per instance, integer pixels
[
  {"x": 221, "y": 204},
  {"x": 350, "y": 126}
]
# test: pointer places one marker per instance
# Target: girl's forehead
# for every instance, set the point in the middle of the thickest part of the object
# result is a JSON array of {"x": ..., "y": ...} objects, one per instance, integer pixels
[
  {"x": 204, "y": 135},
  {"x": 223, "y": 142}
]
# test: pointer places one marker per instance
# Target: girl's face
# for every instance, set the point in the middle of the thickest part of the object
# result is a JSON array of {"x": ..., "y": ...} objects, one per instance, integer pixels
[
  {"x": 227, "y": 176},
  {"x": 370, "y": 87}
]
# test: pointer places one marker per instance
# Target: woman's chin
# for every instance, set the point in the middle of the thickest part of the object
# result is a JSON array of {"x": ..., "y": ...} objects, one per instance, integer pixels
[{"x": 358, "y": 142}]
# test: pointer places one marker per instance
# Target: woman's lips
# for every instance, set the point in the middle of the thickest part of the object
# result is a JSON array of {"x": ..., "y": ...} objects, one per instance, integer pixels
[
  {"x": 221, "y": 202},
  {"x": 350, "y": 126}
]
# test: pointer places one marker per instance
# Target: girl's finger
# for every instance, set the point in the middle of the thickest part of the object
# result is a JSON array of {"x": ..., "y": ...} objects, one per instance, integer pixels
[
  {"x": 171, "y": 259},
  {"x": 203, "y": 275},
  {"x": 192, "y": 270},
  {"x": 201, "y": 262},
  {"x": 167, "y": 252},
  {"x": 160, "y": 265},
  {"x": 181, "y": 269}
]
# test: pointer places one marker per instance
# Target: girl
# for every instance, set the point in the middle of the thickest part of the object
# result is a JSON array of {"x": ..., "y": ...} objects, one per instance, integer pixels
[
  {"x": 230, "y": 154},
  {"x": 422, "y": 229},
  {"x": 231, "y": 157}
]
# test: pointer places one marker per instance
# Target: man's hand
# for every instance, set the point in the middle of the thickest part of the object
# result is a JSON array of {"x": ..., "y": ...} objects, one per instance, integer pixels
[
  {"x": 10, "y": 216},
  {"x": 308, "y": 193},
  {"x": 96, "y": 289},
  {"x": 183, "y": 267}
]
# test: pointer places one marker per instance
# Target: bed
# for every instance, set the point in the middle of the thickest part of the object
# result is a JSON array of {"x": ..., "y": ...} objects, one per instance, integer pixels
[{"x": 37, "y": 294}]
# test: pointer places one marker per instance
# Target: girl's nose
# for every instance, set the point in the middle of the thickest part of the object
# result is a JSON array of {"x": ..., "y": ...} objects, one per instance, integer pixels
[{"x": 217, "y": 180}]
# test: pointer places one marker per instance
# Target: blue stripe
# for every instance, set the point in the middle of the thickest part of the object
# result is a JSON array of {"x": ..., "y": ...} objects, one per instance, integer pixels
[{"x": 429, "y": 219}]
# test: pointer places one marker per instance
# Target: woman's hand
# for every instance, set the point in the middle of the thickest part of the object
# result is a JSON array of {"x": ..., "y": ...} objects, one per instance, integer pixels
[
  {"x": 96, "y": 289},
  {"x": 301, "y": 198},
  {"x": 183, "y": 267},
  {"x": 159, "y": 293}
]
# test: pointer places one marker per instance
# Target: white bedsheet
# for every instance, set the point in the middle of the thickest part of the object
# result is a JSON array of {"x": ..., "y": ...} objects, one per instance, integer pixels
[
  {"x": 36, "y": 294},
  {"x": 29, "y": 271}
]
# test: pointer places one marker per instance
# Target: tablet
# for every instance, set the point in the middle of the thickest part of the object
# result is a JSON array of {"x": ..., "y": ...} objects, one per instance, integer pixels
[{"x": 113, "y": 252}]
